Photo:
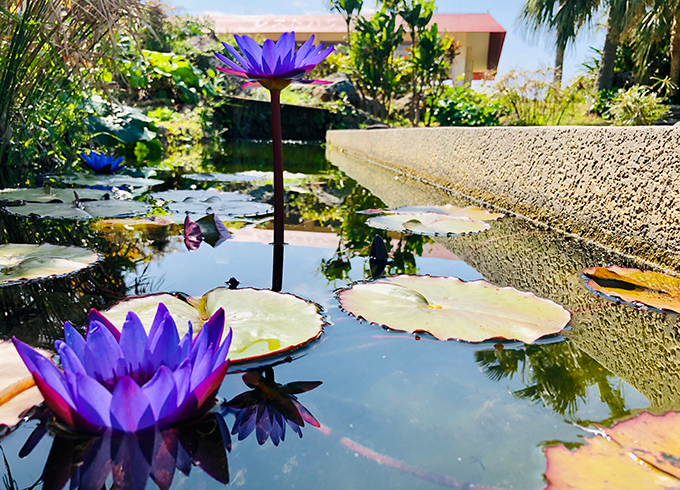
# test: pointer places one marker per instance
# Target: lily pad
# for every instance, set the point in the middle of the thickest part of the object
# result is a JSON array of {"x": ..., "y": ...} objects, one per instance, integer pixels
[
  {"x": 51, "y": 195},
  {"x": 265, "y": 323},
  {"x": 428, "y": 224},
  {"x": 642, "y": 452},
  {"x": 248, "y": 176},
  {"x": 17, "y": 388},
  {"x": 636, "y": 286},
  {"x": 113, "y": 180},
  {"x": 449, "y": 308},
  {"x": 209, "y": 201},
  {"x": 24, "y": 262},
  {"x": 472, "y": 212},
  {"x": 82, "y": 210}
]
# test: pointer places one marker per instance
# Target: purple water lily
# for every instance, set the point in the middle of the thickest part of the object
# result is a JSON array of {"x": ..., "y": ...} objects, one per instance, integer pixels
[
  {"x": 127, "y": 381},
  {"x": 209, "y": 229},
  {"x": 274, "y": 65},
  {"x": 102, "y": 164},
  {"x": 269, "y": 407}
]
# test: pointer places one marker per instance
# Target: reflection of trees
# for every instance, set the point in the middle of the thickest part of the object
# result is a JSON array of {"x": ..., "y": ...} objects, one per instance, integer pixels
[
  {"x": 36, "y": 311},
  {"x": 557, "y": 375}
]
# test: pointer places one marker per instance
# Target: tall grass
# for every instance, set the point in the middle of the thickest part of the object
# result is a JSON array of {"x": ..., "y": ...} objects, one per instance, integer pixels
[{"x": 47, "y": 49}]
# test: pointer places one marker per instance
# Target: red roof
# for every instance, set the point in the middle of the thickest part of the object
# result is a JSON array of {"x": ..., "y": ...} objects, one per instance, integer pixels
[{"x": 334, "y": 23}]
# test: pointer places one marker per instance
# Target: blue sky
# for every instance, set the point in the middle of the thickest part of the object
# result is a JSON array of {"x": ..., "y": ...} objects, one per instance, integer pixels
[{"x": 518, "y": 51}]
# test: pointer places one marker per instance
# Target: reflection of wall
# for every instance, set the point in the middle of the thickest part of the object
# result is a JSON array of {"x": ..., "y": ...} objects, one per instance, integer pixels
[
  {"x": 641, "y": 347},
  {"x": 617, "y": 186}
]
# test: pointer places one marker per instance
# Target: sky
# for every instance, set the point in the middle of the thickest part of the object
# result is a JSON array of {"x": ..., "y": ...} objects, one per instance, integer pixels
[{"x": 519, "y": 52}]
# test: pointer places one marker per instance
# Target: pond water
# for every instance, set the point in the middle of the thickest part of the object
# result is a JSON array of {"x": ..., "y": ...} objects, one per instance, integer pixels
[{"x": 396, "y": 411}]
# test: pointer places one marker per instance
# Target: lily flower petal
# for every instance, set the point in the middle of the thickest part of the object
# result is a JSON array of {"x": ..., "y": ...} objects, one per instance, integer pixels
[{"x": 130, "y": 408}]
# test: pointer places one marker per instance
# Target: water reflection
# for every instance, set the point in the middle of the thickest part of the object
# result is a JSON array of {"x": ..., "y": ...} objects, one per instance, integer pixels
[
  {"x": 269, "y": 406},
  {"x": 557, "y": 375},
  {"x": 134, "y": 459}
]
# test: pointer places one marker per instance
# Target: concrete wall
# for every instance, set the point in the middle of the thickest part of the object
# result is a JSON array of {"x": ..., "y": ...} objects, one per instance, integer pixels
[{"x": 616, "y": 186}]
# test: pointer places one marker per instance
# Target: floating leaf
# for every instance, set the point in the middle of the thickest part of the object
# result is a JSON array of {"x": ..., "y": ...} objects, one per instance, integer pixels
[
  {"x": 633, "y": 285},
  {"x": 17, "y": 388},
  {"x": 265, "y": 323},
  {"x": 428, "y": 224},
  {"x": 51, "y": 195},
  {"x": 248, "y": 176},
  {"x": 212, "y": 201},
  {"x": 82, "y": 210},
  {"x": 114, "y": 180},
  {"x": 23, "y": 262},
  {"x": 472, "y": 212},
  {"x": 642, "y": 452},
  {"x": 449, "y": 308}
]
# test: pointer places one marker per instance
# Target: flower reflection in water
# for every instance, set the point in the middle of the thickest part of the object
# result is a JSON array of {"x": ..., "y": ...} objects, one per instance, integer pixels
[
  {"x": 269, "y": 406},
  {"x": 131, "y": 460}
]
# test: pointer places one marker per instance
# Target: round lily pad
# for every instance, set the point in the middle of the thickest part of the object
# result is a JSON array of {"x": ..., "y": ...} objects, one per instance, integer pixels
[
  {"x": 265, "y": 323},
  {"x": 23, "y": 262},
  {"x": 247, "y": 176},
  {"x": 428, "y": 224},
  {"x": 113, "y": 180},
  {"x": 211, "y": 200},
  {"x": 449, "y": 308},
  {"x": 51, "y": 195},
  {"x": 472, "y": 212},
  {"x": 82, "y": 210}
]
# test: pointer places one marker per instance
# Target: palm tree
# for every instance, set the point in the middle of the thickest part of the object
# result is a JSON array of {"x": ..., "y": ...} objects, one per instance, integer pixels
[
  {"x": 562, "y": 17},
  {"x": 348, "y": 9},
  {"x": 621, "y": 12}
]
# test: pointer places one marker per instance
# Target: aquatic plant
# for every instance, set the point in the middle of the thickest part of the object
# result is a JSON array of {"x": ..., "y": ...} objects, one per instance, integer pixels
[
  {"x": 274, "y": 66},
  {"x": 209, "y": 229},
  {"x": 101, "y": 163},
  {"x": 127, "y": 381}
]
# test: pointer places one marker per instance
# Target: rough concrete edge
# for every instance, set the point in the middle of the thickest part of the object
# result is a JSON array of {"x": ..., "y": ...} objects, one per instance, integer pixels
[{"x": 404, "y": 170}]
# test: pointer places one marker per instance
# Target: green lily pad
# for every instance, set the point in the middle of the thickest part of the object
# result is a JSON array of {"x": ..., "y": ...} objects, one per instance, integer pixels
[
  {"x": 24, "y": 262},
  {"x": 472, "y": 212},
  {"x": 265, "y": 323},
  {"x": 82, "y": 210},
  {"x": 428, "y": 224},
  {"x": 113, "y": 180},
  {"x": 449, "y": 308},
  {"x": 212, "y": 200},
  {"x": 248, "y": 176},
  {"x": 51, "y": 195}
]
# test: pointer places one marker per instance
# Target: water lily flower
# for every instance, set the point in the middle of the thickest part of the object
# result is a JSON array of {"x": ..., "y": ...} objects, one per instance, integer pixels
[
  {"x": 127, "y": 381},
  {"x": 102, "y": 164},
  {"x": 274, "y": 65},
  {"x": 269, "y": 406},
  {"x": 209, "y": 229}
]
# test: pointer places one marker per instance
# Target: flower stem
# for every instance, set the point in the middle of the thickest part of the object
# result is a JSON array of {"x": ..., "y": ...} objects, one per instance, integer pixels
[{"x": 277, "y": 147}]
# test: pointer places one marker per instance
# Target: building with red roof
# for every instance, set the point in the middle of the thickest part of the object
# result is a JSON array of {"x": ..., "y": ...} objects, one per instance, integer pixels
[{"x": 479, "y": 36}]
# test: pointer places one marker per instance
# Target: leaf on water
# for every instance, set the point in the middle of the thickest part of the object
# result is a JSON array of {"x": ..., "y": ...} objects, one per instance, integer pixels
[
  {"x": 247, "y": 176},
  {"x": 82, "y": 210},
  {"x": 211, "y": 200},
  {"x": 18, "y": 392},
  {"x": 449, "y": 308},
  {"x": 265, "y": 323},
  {"x": 472, "y": 212},
  {"x": 24, "y": 262},
  {"x": 51, "y": 195},
  {"x": 113, "y": 180},
  {"x": 642, "y": 452},
  {"x": 636, "y": 286},
  {"x": 428, "y": 224}
]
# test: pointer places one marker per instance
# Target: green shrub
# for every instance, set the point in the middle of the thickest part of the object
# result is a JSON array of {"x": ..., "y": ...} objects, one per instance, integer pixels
[
  {"x": 637, "y": 106},
  {"x": 463, "y": 106}
]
